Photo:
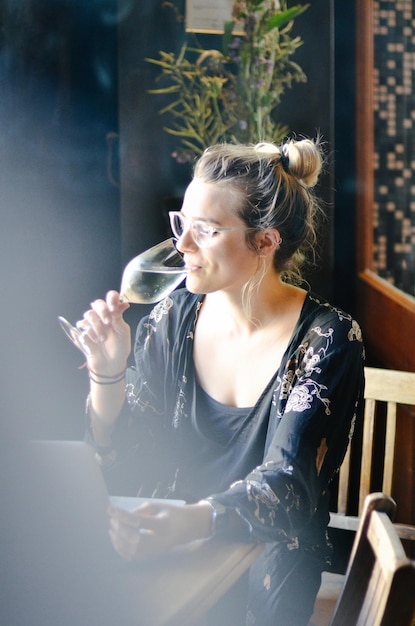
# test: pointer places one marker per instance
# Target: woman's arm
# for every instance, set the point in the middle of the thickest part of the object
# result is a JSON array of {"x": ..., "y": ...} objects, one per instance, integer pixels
[{"x": 109, "y": 342}]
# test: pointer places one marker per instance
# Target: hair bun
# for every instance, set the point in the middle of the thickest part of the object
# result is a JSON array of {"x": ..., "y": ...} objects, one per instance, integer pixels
[{"x": 302, "y": 159}]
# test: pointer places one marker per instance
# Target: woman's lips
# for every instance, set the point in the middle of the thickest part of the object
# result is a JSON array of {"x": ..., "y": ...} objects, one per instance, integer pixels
[{"x": 192, "y": 267}]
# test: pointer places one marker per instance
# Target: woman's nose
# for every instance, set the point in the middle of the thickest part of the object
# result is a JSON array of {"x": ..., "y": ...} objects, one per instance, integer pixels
[{"x": 186, "y": 242}]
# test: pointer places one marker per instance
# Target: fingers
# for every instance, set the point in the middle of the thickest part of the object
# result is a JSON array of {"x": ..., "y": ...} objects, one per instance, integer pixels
[
  {"x": 116, "y": 309},
  {"x": 94, "y": 326},
  {"x": 100, "y": 311},
  {"x": 143, "y": 532},
  {"x": 111, "y": 308},
  {"x": 155, "y": 527},
  {"x": 125, "y": 533},
  {"x": 102, "y": 315},
  {"x": 115, "y": 305},
  {"x": 129, "y": 539},
  {"x": 148, "y": 516},
  {"x": 123, "y": 517}
]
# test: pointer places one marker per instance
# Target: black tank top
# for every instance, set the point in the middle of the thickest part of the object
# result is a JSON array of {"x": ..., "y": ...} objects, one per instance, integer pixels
[{"x": 218, "y": 421}]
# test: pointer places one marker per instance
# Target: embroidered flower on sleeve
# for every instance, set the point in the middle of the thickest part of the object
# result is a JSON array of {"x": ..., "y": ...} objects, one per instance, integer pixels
[
  {"x": 311, "y": 359},
  {"x": 142, "y": 398},
  {"x": 265, "y": 501},
  {"x": 283, "y": 386},
  {"x": 300, "y": 399},
  {"x": 303, "y": 395}
]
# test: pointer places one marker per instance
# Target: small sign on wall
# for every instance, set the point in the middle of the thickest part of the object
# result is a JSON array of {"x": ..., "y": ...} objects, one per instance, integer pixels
[{"x": 208, "y": 16}]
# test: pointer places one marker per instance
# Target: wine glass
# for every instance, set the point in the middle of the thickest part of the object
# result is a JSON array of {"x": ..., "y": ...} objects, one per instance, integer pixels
[{"x": 147, "y": 278}]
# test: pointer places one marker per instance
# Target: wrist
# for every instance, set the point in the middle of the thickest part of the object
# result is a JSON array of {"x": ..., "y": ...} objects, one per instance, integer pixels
[
  {"x": 100, "y": 429},
  {"x": 106, "y": 379},
  {"x": 219, "y": 517}
]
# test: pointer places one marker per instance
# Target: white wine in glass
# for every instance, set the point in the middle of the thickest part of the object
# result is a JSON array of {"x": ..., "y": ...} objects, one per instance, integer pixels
[{"x": 147, "y": 279}]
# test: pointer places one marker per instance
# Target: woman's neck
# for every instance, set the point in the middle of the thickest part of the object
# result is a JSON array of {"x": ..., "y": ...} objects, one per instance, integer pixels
[{"x": 272, "y": 300}]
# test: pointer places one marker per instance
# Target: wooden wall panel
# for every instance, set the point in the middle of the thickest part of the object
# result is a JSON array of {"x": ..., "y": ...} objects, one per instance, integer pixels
[{"x": 386, "y": 313}]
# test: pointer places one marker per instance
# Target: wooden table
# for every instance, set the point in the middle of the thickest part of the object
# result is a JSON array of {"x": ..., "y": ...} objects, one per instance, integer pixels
[
  {"x": 69, "y": 572},
  {"x": 178, "y": 589}
]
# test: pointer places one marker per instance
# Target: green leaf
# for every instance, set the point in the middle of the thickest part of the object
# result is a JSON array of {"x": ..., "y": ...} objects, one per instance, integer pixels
[
  {"x": 277, "y": 20},
  {"x": 163, "y": 90},
  {"x": 227, "y": 36}
]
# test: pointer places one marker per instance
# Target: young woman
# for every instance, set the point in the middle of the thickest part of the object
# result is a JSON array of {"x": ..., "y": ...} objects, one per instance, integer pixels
[{"x": 245, "y": 387}]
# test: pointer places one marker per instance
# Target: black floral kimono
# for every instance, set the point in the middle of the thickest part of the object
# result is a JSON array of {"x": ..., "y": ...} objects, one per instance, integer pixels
[{"x": 271, "y": 463}]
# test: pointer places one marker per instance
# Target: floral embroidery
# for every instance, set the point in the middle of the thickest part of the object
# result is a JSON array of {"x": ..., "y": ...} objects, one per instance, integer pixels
[
  {"x": 283, "y": 387},
  {"x": 264, "y": 498},
  {"x": 162, "y": 308},
  {"x": 340, "y": 314},
  {"x": 300, "y": 399},
  {"x": 302, "y": 396},
  {"x": 292, "y": 498},
  {"x": 136, "y": 399},
  {"x": 156, "y": 314},
  {"x": 191, "y": 333},
  {"x": 310, "y": 361},
  {"x": 355, "y": 333},
  {"x": 267, "y": 504},
  {"x": 294, "y": 544},
  {"x": 179, "y": 409}
]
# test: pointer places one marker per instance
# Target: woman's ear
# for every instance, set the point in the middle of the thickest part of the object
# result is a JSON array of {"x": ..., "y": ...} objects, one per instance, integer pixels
[{"x": 268, "y": 241}]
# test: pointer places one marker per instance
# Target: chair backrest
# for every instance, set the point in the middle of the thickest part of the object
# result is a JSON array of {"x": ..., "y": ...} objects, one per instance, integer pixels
[
  {"x": 380, "y": 579},
  {"x": 382, "y": 386}
]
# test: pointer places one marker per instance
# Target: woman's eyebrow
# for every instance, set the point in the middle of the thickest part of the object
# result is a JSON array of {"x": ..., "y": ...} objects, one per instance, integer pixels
[{"x": 208, "y": 220}]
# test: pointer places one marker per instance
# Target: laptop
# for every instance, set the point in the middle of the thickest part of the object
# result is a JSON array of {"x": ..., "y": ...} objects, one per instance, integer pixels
[
  {"x": 68, "y": 570},
  {"x": 72, "y": 469}
]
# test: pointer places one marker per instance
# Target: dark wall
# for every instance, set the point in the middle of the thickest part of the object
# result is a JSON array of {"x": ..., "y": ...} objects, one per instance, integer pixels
[
  {"x": 148, "y": 172},
  {"x": 59, "y": 249},
  {"x": 346, "y": 142},
  {"x": 60, "y": 232},
  {"x": 308, "y": 109}
]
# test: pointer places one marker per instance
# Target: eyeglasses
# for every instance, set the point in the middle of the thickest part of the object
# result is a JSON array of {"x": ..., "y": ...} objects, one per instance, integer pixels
[{"x": 203, "y": 233}]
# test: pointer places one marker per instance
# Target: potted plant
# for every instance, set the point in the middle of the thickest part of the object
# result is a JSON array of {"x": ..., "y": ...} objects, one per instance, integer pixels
[{"x": 232, "y": 94}]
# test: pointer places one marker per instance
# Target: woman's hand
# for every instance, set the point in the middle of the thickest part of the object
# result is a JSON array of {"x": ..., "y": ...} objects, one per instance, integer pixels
[
  {"x": 154, "y": 527},
  {"x": 108, "y": 335}
]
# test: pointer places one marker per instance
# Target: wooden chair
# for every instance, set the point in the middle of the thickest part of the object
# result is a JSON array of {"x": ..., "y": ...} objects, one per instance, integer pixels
[
  {"x": 383, "y": 386},
  {"x": 385, "y": 389},
  {"x": 379, "y": 583}
]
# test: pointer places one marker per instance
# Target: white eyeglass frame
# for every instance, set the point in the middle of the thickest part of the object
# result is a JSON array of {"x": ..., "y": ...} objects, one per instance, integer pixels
[{"x": 202, "y": 239}]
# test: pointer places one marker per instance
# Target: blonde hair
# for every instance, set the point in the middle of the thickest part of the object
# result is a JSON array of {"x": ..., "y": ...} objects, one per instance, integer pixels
[{"x": 275, "y": 190}]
